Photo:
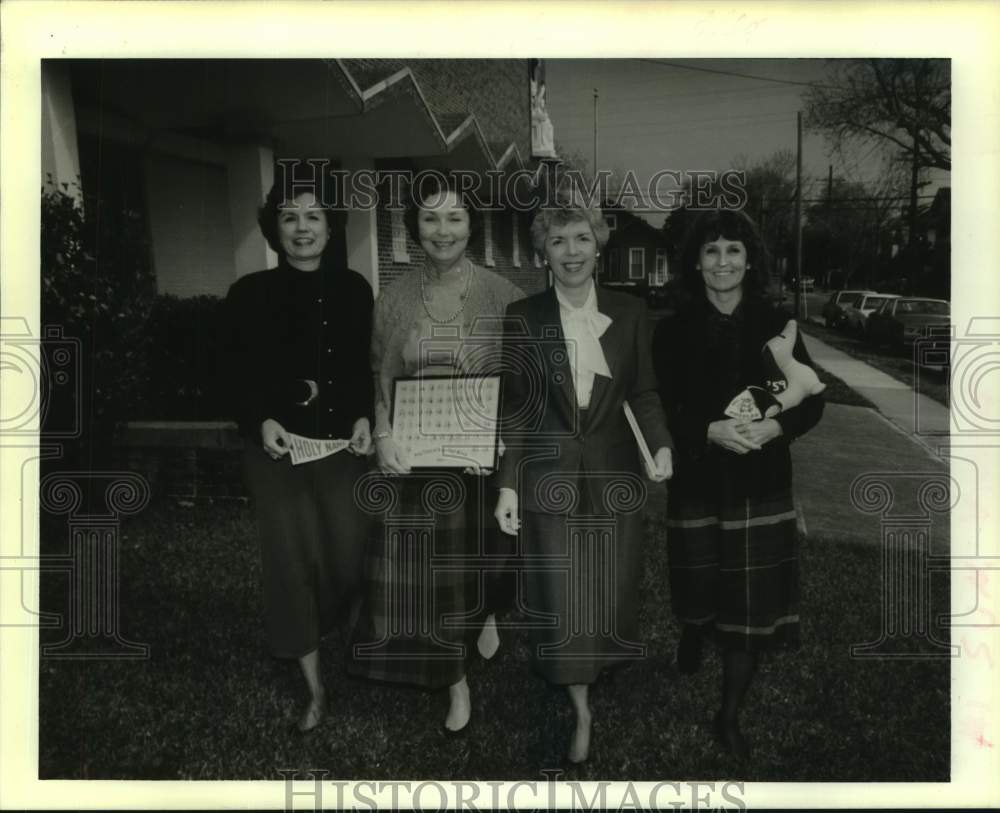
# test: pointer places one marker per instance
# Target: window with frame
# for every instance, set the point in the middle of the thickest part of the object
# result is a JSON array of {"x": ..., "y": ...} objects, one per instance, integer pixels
[
  {"x": 636, "y": 263},
  {"x": 660, "y": 272}
]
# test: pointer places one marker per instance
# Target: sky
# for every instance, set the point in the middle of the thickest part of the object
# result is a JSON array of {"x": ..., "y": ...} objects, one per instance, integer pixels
[{"x": 686, "y": 114}]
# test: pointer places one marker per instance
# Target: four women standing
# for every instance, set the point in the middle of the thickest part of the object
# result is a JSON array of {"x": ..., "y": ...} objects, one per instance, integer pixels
[{"x": 575, "y": 359}]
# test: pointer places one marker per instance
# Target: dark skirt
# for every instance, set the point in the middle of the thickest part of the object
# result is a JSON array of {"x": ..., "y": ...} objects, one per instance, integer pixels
[
  {"x": 312, "y": 538},
  {"x": 434, "y": 568},
  {"x": 582, "y": 609},
  {"x": 734, "y": 567}
]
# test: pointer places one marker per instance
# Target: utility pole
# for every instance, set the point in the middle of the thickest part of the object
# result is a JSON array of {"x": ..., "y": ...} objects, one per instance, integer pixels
[
  {"x": 829, "y": 209},
  {"x": 914, "y": 182},
  {"x": 798, "y": 218},
  {"x": 595, "y": 134}
]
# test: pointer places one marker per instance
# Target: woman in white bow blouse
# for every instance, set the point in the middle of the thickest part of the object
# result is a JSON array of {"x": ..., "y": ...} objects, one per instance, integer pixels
[{"x": 573, "y": 355}]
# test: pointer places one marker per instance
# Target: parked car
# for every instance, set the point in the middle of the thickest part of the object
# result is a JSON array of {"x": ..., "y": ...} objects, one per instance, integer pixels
[
  {"x": 833, "y": 310},
  {"x": 900, "y": 322},
  {"x": 856, "y": 314}
]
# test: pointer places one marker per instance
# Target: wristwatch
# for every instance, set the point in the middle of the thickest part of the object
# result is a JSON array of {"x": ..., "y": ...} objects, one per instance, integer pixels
[{"x": 381, "y": 435}]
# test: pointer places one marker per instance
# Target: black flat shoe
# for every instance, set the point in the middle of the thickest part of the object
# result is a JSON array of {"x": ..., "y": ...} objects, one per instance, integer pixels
[
  {"x": 729, "y": 736},
  {"x": 455, "y": 733}
]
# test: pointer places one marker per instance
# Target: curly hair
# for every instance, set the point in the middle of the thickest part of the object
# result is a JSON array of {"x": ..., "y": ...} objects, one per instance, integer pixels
[
  {"x": 280, "y": 195},
  {"x": 426, "y": 185},
  {"x": 727, "y": 224},
  {"x": 568, "y": 211}
]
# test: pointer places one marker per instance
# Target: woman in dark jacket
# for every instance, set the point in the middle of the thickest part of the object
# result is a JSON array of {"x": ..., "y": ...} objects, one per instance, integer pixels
[
  {"x": 731, "y": 518},
  {"x": 574, "y": 356},
  {"x": 295, "y": 341}
]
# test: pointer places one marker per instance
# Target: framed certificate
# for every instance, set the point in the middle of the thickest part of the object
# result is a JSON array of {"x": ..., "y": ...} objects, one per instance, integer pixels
[{"x": 447, "y": 421}]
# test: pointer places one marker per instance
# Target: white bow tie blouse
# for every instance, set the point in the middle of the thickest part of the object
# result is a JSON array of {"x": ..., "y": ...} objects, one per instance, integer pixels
[{"x": 582, "y": 329}]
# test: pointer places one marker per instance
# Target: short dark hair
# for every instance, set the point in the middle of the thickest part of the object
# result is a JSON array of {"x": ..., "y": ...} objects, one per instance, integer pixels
[
  {"x": 285, "y": 190},
  {"x": 728, "y": 224},
  {"x": 427, "y": 184}
]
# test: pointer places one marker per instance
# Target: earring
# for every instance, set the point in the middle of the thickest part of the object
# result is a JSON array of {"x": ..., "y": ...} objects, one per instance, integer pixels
[{"x": 598, "y": 254}]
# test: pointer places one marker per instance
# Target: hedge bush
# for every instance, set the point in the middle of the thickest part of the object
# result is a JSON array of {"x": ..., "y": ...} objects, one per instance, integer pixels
[{"x": 97, "y": 284}]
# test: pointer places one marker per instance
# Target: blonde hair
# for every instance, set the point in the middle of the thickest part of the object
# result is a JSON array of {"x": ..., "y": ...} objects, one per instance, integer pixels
[{"x": 568, "y": 209}]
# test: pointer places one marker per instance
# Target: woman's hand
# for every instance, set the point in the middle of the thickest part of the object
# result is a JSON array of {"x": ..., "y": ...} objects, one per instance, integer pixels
[
  {"x": 761, "y": 432},
  {"x": 506, "y": 512},
  {"x": 390, "y": 458},
  {"x": 728, "y": 436},
  {"x": 274, "y": 439},
  {"x": 361, "y": 438},
  {"x": 664, "y": 465}
]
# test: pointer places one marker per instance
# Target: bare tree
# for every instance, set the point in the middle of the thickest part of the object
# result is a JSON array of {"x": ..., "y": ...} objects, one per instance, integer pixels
[{"x": 901, "y": 103}]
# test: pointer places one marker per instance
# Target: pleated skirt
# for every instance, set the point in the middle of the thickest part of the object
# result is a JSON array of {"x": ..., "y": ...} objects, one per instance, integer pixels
[{"x": 734, "y": 568}]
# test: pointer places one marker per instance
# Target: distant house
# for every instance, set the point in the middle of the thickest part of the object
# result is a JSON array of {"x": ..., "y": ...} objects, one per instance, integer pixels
[
  {"x": 636, "y": 253},
  {"x": 192, "y": 145},
  {"x": 926, "y": 270}
]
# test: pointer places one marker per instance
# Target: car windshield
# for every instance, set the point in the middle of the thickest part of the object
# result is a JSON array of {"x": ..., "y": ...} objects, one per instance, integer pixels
[
  {"x": 873, "y": 301},
  {"x": 850, "y": 299},
  {"x": 923, "y": 306}
]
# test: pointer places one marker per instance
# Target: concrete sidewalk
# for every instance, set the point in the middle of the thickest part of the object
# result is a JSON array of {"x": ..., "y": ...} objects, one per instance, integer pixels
[
  {"x": 851, "y": 442},
  {"x": 921, "y": 418}
]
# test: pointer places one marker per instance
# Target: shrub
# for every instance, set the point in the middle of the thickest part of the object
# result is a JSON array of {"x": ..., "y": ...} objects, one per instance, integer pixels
[
  {"x": 183, "y": 373},
  {"x": 97, "y": 284}
]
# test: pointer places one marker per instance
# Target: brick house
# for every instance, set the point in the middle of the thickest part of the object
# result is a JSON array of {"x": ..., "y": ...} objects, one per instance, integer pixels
[
  {"x": 193, "y": 144},
  {"x": 636, "y": 253}
]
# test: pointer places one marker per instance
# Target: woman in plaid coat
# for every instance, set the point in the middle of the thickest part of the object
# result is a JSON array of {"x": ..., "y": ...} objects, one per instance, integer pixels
[{"x": 731, "y": 518}]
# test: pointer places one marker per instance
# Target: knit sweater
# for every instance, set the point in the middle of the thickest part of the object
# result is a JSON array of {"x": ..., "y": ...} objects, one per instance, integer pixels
[{"x": 407, "y": 340}]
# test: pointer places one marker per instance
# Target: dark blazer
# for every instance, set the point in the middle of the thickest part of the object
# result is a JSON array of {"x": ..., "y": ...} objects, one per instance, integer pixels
[
  {"x": 696, "y": 388},
  {"x": 282, "y": 326},
  {"x": 541, "y": 425}
]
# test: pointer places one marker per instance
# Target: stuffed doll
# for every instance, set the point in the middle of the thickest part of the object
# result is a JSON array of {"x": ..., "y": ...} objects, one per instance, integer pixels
[{"x": 788, "y": 381}]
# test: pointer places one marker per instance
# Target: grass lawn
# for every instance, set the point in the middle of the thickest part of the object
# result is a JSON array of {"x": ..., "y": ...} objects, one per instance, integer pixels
[
  {"x": 898, "y": 364},
  {"x": 210, "y": 704}
]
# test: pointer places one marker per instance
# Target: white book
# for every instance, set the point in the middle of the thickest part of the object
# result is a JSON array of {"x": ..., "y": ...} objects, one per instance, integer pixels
[{"x": 647, "y": 455}]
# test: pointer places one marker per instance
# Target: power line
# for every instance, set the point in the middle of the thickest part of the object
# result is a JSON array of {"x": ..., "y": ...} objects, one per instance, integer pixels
[{"x": 737, "y": 74}]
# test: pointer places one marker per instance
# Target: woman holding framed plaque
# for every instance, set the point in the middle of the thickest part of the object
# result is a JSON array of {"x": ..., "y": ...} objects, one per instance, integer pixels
[
  {"x": 296, "y": 383},
  {"x": 576, "y": 366},
  {"x": 732, "y": 535},
  {"x": 425, "y": 605}
]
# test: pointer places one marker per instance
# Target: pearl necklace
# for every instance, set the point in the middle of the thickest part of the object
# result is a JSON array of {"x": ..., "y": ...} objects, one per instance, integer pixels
[{"x": 463, "y": 300}]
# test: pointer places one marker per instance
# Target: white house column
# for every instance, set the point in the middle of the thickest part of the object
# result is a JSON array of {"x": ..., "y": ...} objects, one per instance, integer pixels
[
  {"x": 362, "y": 230},
  {"x": 60, "y": 156},
  {"x": 250, "y": 171}
]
